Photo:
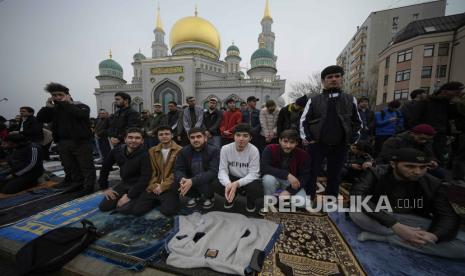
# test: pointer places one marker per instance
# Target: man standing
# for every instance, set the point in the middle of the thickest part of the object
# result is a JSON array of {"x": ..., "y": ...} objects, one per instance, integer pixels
[
  {"x": 124, "y": 118},
  {"x": 161, "y": 189},
  {"x": 268, "y": 120},
  {"x": 71, "y": 130},
  {"x": 239, "y": 170},
  {"x": 174, "y": 120},
  {"x": 407, "y": 108},
  {"x": 251, "y": 116},
  {"x": 289, "y": 116},
  {"x": 196, "y": 169},
  {"x": 24, "y": 162},
  {"x": 212, "y": 120},
  {"x": 192, "y": 116},
  {"x": 285, "y": 166},
  {"x": 389, "y": 122},
  {"x": 368, "y": 119},
  {"x": 29, "y": 127},
  {"x": 437, "y": 110},
  {"x": 146, "y": 123},
  {"x": 231, "y": 118},
  {"x": 329, "y": 123},
  {"x": 158, "y": 119},
  {"x": 135, "y": 172},
  {"x": 422, "y": 218},
  {"x": 101, "y": 132}
]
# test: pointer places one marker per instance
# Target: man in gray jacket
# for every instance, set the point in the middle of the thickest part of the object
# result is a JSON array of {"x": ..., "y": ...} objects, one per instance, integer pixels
[{"x": 192, "y": 115}]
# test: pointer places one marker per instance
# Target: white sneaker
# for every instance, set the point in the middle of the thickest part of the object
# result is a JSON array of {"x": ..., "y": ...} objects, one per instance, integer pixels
[
  {"x": 191, "y": 203},
  {"x": 208, "y": 203}
]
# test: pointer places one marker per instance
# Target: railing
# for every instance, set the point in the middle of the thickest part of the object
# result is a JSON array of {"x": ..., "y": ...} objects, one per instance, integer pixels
[
  {"x": 120, "y": 86},
  {"x": 239, "y": 83}
]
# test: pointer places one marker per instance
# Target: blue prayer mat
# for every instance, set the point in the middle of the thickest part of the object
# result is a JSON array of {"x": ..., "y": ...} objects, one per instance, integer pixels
[
  {"x": 379, "y": 258},
  {"x": 27, "y": 197},
  {"x": 64, "y": 214}
]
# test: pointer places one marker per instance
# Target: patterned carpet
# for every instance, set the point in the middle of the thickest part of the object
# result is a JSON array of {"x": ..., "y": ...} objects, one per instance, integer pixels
[{"x": 310, "y": 244}]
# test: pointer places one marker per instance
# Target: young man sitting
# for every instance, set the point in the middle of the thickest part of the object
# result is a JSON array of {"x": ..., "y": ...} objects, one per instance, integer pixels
[
  {"x": 196, "y": 169},
  {"x": 239, "y": 170},
  {"x": 284, "y": 166},
  {"x": 24, "y": 164},
  {"x": 422, "y": 218},
  {"x": 161, "y": 189},
  {"x": 135, "y": 172}
]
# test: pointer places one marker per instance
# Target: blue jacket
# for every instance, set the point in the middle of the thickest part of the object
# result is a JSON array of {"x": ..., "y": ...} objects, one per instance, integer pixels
[
  {"x": 384, "y": 127},
  {"x": 210, "y": 160}
]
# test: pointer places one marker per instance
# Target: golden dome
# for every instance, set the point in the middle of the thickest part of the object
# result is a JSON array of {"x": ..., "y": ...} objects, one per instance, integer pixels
[{"x": 195, "y": 29}]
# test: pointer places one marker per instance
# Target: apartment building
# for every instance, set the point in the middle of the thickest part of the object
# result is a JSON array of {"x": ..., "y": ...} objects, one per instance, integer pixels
[
  {"x": 425, "y": 54},
  {"x": 359, "y": 58}
]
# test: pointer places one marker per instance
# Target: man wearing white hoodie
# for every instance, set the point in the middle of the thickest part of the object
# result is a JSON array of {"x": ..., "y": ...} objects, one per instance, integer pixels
[{"x": 239, "y": 170}]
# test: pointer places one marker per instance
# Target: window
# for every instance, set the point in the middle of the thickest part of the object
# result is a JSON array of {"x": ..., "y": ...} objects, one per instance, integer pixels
[
  {"x": 426, "y": 89},
  {"x": 386, "y": 65},
  {"x": 428, "y": 51},
  {"x": 386, "y": 80},
  {"x": 395, "y": 21},
  {"x": 401, "y": 94},
  {"x": 441, "y": 71},
  {"x": 443, "y": 49},
  {"x": 415, "y": 16},
  {"x": 384, "y": 97},
  {"x": 403, "y": 75},
  {"x": 404, "y": 55},
  {"x": 426, "y": 72}
]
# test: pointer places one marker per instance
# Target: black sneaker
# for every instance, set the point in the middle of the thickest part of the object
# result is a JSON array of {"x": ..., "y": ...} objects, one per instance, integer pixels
[
  {"x": 208, "y": 203},
  {"x": 250, "y": 207},
  {"x": 228, "y": 205}
]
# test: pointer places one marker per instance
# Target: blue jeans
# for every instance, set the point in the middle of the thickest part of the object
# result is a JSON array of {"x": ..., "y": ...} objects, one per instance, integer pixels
[{"x": 271, "y": 184}]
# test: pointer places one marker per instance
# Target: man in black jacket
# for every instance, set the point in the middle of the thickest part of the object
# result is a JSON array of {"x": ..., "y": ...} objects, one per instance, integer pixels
[
  {"x": 330, "y": 122},
  {"x": 420, "y": 218},
  {"x": 196, "y": 169},
  {"x": 368, "y": 119},
  {"x": 29, "y": 126},
  {"x": 71, "y": 131},
  {"x": 212, "y": 120},
  {"x": 289, "y": 116},
  {"x": 174, "y": 120},
  {"x": 135, "y": 171},
  {"x": 25, "y": 164},
  {"x": 124, "y": 118}
]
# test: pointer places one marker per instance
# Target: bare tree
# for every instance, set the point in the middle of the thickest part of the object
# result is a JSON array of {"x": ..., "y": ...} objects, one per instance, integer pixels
[{"x": 310, "y": 87}]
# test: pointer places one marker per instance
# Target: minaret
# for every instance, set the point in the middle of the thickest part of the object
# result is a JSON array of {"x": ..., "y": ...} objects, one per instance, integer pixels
[
  {"x": 159, "y": 48},
  {"x": 266, "y": 33}
]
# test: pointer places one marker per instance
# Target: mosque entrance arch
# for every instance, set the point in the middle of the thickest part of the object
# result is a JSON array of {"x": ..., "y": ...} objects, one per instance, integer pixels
[
  {"x": 236, "y": 98},
  {"x": 166, "y": 92}
]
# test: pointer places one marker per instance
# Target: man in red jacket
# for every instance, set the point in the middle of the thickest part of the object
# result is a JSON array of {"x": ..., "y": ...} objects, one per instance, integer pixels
[{"x": 231, "y": 118}]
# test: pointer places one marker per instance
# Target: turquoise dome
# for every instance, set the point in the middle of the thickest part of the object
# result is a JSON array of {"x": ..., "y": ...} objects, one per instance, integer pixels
[
  {"x": 110, "y": 68},
  {"x": 262, "y": 53},
  {"x": 138, "y": 56},
  {"x": 110, "y": 64},
  {"x": 232, "y": 48}
]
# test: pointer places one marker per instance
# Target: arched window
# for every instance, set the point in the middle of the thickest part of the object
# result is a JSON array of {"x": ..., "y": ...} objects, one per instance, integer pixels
[
  {"x": 137, "y": 104},
  {"x": 167, "y": 91}
]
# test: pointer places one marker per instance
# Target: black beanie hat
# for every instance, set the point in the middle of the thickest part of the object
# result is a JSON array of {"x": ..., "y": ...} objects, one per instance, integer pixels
[
  {"x": 333, "y": 69},
  {"x": 302, "y": 101},
  {"x": 409, "y": 155}
]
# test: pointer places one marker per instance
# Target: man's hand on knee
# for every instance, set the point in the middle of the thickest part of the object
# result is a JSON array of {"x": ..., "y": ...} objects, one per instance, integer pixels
[
  {"x": 123, "y": 200},
  {"x": 110, "y": 194}
]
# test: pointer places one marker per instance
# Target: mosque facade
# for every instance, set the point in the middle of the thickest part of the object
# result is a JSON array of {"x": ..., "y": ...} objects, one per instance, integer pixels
[{"x": 193, "y": 68}]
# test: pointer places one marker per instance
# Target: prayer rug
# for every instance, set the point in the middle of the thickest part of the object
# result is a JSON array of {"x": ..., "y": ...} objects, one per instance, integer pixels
[
  {"x": 44, "y": 190},
  {"x": 44, "y": 185},
  {"x": 383, "y": 259},
  {"x": 130, "y": 242},
  {"x": 41, "y": 223},
  {"x": 310, "y": 244}
]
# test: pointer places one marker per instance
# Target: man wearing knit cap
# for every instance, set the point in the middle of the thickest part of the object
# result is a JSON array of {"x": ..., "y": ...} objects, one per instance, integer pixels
[
  {"x": 289, "y": 116},
  {"x": 330, "y": 122},
  {"x": 420, "y": 216},
  {"x": 419, "y": 137}
]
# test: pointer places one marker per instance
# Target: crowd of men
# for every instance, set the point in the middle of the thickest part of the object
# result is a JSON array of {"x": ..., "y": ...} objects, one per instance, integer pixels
[{"x": 402, "y": 152}]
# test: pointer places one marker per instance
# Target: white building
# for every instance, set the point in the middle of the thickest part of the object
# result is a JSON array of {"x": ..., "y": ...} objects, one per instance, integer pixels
[{"x": 193, "y": 68}]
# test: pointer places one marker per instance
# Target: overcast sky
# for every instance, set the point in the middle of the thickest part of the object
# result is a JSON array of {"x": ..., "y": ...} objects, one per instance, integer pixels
[{"x": 64, "y": 40}]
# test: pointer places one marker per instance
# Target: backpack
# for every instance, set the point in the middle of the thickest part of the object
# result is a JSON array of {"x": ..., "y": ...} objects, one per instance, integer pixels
[{"x": 51, "y": 251}]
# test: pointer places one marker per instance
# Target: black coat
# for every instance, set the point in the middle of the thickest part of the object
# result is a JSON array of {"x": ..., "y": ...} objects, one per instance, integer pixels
[
  {"x": 32, "y": 129},
  {"x": 135, "y": 169},
  {"x": 403, "y": 140},
  {"x": 434, "y": 111},
  {"x": 315, "y": 116},
  {"x": 121, "y": 120},
  {"x": 284, "y": 119},
  {"x": 210, "y": 161},
  {"x": 26, "y": 159},
  {"x": 71, "y": 121},
  {"x": 379, "y": 181},
  {"x": 212, "y": 121}
]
